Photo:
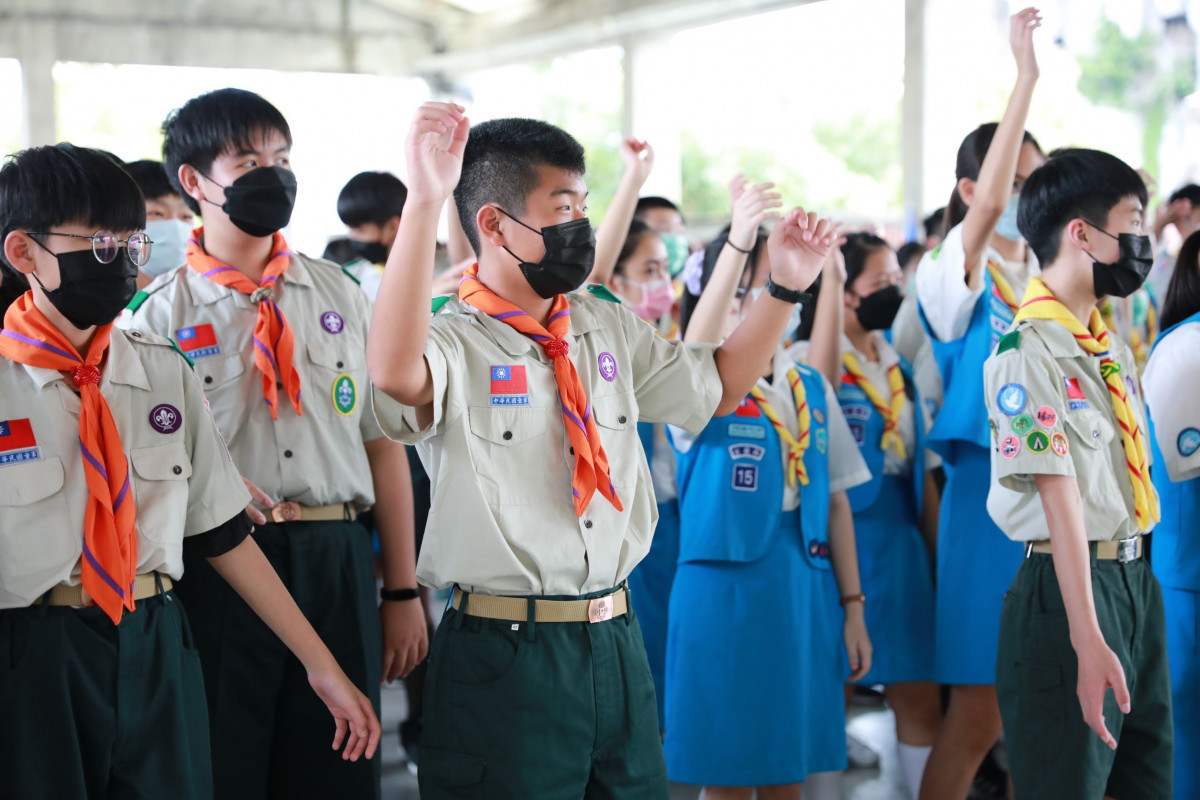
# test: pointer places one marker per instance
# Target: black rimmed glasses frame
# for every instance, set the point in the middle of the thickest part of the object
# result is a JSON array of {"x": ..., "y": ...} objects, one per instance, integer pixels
[{"x": 106, "y": 246}]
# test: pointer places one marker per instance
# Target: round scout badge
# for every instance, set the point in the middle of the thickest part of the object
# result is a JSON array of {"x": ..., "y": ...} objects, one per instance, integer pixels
[
  {"x": 1038, "y": 442},
  {"x": 1010, "y": 447},
  {"x": 1011, "y": 399},
  {"x": 1059, "y": 443},
  {"x": 1022, "y": 424},
  {"x": 608, "y": 367},
  {"x": 332, "y": 322},
  {"x": 345, "y": 394},
  {"x": 1188, "y": 441},
  {"x": 819, "y": 416},
  {"x": 165, "y": 418},
  {"x": 1047, "y": 416}
]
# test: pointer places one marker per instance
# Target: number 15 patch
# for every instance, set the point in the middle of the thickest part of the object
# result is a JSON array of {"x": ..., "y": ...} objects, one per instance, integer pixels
[{"x": 745, "y": 477}]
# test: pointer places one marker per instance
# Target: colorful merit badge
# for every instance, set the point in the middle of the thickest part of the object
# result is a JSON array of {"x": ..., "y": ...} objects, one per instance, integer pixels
[
  {"x": 17, "y": 442},
  {"x": 1022, "y": 424},
  {"x": 1047, "y": 416},
  {"x": 165, "y": 418},
  {"x": 1076, "y": 399},
  {"x": 751, "y": 451},
  {"x": 345, "y": 394},
  {"x": 332, "y": 322},
  {"x": 508, "y": 386},
  {"x": 608, "y": 367},
  {"x": 1059, "y": 443},
  {"x": 1038, "y": 441},
  {"x": 1011, "y": 399},
  {"x": 198, "y": 341},
  {"x": 822, "y": 440},
  {"x": 1010, "y": 447},
  {"x": 819, "y": 416},
  {"x": 1187, "y": 443}
]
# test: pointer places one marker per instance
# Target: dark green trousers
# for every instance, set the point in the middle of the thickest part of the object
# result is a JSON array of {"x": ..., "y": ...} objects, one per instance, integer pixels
[
  {"x": 1053, "y": 754},
  {"x": 271, "y": 734},
  {"x": 552, "y": 711},
  {"x": 93, "y": 710}
]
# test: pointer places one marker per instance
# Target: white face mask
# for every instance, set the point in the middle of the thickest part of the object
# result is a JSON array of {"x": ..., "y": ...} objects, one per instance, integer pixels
[{"x": 170, "y": 238}]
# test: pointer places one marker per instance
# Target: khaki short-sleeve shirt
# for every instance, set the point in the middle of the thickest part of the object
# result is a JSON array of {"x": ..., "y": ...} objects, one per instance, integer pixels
[
  {"x": 315, "y": 458},
  {"x": 502, "y": 518},
  {"x": 182, "y": 478},
  {"x": 1051, "y": 414}
]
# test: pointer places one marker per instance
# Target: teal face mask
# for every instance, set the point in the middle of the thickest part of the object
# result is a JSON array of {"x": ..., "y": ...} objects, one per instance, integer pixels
[
  {"x": 677, "y": 252},
  {"x": 1007, "y": 226}
]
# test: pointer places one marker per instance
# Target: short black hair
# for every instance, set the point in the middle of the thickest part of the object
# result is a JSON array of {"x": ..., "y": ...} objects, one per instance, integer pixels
[
  {"x": 501, "y": 162},
  {"x": 371, "y": 197},
  {"x": 1182, "y": 299},
  {"x": 1190, "y": 192},
  {"x": 1073, "y": 184},
  {"x": 151, "y": 177},
  {"x": 907, "y": 251},
  {"x": 650, "y": 202},
  {"x": 638, "y": 230},
  {"x": 933, "y": 223},
  {"x": 60, "y": 184},
  {"x": 215, "y": 122}
]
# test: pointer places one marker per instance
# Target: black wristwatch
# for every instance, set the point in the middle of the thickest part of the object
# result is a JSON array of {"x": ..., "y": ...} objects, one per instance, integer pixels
[
  {"x": 399, "y": 595},
  {"x": 786, "y": 295}
]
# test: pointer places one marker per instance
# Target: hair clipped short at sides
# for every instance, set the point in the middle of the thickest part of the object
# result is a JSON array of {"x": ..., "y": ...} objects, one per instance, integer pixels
[
  {"x": 44, "y": 187},
  {"x": 371, "y": 197},
  {"x": 214, "y": 123},
  {"x": 151, "y": 178},
  {"x": 501, "y": 163},
  {"x": 1072, "y": 184},
  {"x": 651, "y": 202},
  {"x": 1190, "y": 192}
]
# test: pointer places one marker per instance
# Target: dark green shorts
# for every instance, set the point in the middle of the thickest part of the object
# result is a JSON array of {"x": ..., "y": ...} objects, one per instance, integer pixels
[
  {"x": 1052, "y": 751},
  {"x": 90, "y": 709},
  {"x": 553, "y": 711}
]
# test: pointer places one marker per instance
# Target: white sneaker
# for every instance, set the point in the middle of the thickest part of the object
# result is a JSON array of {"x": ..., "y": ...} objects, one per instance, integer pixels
[{"x": 859, "y": 754}]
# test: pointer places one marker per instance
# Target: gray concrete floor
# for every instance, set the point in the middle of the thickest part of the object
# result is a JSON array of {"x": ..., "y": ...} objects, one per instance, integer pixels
[{"x": 873, "y": 725}]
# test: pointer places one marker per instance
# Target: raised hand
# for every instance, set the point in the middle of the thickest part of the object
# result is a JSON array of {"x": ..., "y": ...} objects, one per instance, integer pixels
[
  {"x": 638, "y": 158},
  {"x": 798, "y": 247},
  {"x": 1020, "y": 38},
  {"x": 434, "y": 151},
  {"x": 357, "y": 725},
  {"x": 835, "y": 263},
  {"x": 753, "y": 204}
]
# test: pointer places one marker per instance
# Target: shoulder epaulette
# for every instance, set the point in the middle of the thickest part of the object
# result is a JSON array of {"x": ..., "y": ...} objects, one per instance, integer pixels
[
  {"x": 1010, "y": 341},
  {"x": 438, "y": 302},
  {"x": 351, "y": 275},
  {"x": 137, "y": 301},
  {"x": 601, "y": 291},
  {"x": 185, "y": 356}
]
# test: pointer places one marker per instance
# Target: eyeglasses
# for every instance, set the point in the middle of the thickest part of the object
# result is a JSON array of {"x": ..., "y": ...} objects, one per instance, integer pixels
[{"x": 106, "y": 246}]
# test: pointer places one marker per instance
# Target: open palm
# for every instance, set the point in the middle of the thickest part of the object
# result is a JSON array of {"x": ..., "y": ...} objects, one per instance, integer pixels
[
  {"x": 434, "y": 151},
  {"x": 798, "y": 247}
]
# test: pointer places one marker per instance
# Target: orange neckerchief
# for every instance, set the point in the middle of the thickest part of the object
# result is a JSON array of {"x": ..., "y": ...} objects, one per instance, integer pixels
[
  {"x": 274, "y": 343},
  {"x": 591, "y": 462},
  {"x": 1040, "y": 303},
  {"x": 890, "y": 411},
  {"x": 110, "y": 560},
  {"x": 795, "y": 445}
]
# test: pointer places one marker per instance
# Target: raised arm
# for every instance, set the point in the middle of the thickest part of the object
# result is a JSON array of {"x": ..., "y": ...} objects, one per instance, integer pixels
[
  {"x": 396, "y": 342},
  {"x": 610, "y": 236},
  {"x": 999, "y": 168},
  {"x": 825, "y": 342}
]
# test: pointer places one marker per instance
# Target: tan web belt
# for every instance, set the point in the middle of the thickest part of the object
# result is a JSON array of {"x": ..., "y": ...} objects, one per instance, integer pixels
[
  {"x": 1122, "y": 550},
  {"x": 143, "y": 586},
  {"x": 516, "y": 609},
  {"x": 291, "y": 511}
]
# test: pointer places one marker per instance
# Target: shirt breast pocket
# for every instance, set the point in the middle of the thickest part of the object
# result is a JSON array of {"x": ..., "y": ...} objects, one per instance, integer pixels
[
  {"x": 337, "y": 378},
  {"x": 616, "y": 420},
  {"x": 1101, "y": 480},
  {"x": 218, "y": 371},
  {"x": 36, "y": 536},
  {"x": 160, "y": 490},
  {"x": 509, "y": 451}
]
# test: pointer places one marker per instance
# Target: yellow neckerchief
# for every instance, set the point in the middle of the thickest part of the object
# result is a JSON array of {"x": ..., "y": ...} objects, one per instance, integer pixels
[
  {"x": 1003, "y": 287},
  {"x": 889, "y": 411},
  {"x": 1040, "y": 303},
  {"x": 795, "y": 446}
]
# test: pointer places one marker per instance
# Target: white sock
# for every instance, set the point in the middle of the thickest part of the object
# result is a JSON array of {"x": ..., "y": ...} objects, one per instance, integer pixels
[
  {"x": 912, "y": 766},
  {"x": 823, "y": 786}
]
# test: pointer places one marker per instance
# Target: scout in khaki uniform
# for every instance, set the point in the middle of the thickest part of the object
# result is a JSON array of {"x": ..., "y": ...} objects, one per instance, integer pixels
[
  {"x": 278, "y": 340},
  {"x": 525, "y": 400},
  {"x": 111, "y": 474},
  {"x": 1070, "y": 445}
]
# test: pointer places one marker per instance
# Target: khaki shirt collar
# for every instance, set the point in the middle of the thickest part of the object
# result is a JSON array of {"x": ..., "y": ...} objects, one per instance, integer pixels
[
  {"x": 1058, "y": 340},
  {"x": 123, "y": 366},
  {"x": 206, "y": 292},
  {"x": 516, "y": 343}
]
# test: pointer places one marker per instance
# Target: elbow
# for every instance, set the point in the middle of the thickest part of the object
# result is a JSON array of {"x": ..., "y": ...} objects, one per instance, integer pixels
[{"x": 391, "y": 381}]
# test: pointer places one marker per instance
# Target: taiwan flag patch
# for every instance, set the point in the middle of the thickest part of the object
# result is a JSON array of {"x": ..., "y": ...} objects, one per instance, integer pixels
[
  {"x": 508, "y": 387},
  {"x": 748, "y": 408},
  {"x": 198, "y": 341},
  {"x": 17, "y": 442},
  {"x": 1076, "y": 399}
]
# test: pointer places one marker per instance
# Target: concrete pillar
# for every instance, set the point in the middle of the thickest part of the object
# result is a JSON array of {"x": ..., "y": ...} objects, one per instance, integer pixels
[
  {"x": 913, "y": 115},
  {"x": 652, "y": 111},
  {"x": 36, "y": 52}
]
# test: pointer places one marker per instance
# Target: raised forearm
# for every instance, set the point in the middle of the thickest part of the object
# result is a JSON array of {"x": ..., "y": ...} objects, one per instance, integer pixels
[
  {"x": 610, "y": 236},
  {"x": 825, "y": 343},
  {"x": 744, "y": 356}
]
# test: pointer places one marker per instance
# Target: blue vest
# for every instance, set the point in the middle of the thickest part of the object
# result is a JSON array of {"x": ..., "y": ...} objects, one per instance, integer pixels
[
  {"x": 866, "y": 423},
  {"x": 1174, "y": 556},
  {"x": 731, "y": 486},
  {"x": 963, "y": 415}
]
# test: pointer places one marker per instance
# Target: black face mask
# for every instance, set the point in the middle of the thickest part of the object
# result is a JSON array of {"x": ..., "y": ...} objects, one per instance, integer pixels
[
  {"x": 260, "y": 202},
  {"x": 90, "y": 293},
  {"x": 878, "y": 310},
  {"x": 1127, "y": 274},
  {"x": 374, "y": 252},
  {"x": 570, "y": 254}
]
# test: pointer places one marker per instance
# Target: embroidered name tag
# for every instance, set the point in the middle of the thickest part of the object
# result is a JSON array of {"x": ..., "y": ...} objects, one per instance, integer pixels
[
  {"x": 508, "y": 386},
  {"x": 17, "y": 442}
]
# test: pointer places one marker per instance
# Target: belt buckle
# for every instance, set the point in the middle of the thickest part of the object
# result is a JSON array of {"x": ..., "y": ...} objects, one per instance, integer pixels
[
  {"x": 600, "y": 609},
  {"x": 1127, "y": 550},
  {"x": 287, "y": 511}
]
